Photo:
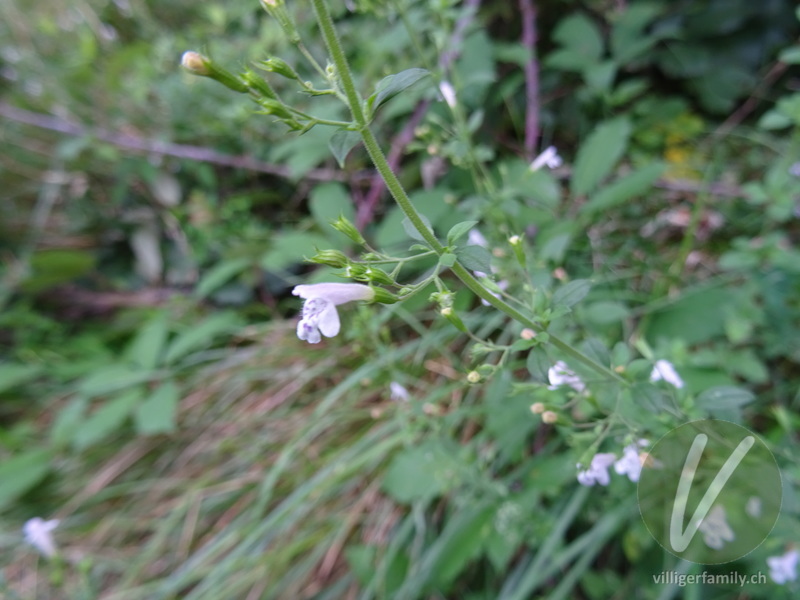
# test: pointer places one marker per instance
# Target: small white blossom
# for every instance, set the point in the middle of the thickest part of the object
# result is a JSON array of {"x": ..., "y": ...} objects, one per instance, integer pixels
[
  {"x": 398, "y": 392},
  {"x": 664, "y": 369},
  {"x": 39, "y": 534},
  {"x": 715, "y": 528},
  {"x": 753, "y": 507},
  {"x": 597, "y": 471},
  {"x": 548, "y": 158},
  {"x": 783, "y": 568},
  {"x": 319, "y": 309},
  {"x": 560, "y": 374},
  {"x": 448, "y": 93},
  {"x": 631, "y": 462}
]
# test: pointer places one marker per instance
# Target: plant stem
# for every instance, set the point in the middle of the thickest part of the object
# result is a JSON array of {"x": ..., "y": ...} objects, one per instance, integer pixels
[{"x": 399, "y": 194}]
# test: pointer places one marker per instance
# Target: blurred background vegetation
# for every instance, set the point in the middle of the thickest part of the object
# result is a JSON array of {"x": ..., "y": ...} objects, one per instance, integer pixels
[{"x": 154, "y": 397}]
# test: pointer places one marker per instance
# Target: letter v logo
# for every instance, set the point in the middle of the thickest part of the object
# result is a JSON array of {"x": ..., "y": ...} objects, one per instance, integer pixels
[{"x": 679, "y": 538}]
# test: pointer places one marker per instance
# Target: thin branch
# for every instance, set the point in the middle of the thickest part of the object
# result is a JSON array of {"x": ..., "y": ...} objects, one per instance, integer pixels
[
  {"x": 183, "y": 151},
  {"x": 528, "y": 13},
  {"x": 366, "y": 209}
]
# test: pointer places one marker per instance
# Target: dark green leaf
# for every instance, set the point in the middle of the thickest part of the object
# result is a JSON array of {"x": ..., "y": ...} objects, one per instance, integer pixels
[
  {"x": 724, "y": 397},
  {"x": 458, "y": 230},
  {"x": 538, "y": 364},
  {"x": 20, "y": 473},
  {"x": 157, "y": 413},
  {"x": 342, "y": 142},
  {"x": 623, "y": 189},
  {"x": 571, "y": 293},
  {"x": 475, "y": 258},
  {"x": 107, "y": 419},
  {"x": 219, "y": 275},
  {"x": 200, "y": 335},
  {"x": 392, "y": 85},
  {"x": 599, "y": 153}
]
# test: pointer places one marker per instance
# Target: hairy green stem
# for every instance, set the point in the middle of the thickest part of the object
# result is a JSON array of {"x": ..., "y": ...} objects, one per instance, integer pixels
[{"x": 399, "y": 194}]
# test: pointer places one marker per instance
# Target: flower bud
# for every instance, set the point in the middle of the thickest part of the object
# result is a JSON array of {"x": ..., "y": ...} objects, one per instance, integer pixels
[
  {"x": 258, "y": 84},
  {"x": 537, "y": 408},
  {"x": 449, "y": 314},
  {"x": 346, "y": 227},
  {"x": 332, "y": 258},
  {"x": 383, "y": 296},
  {"x": 273, "y": 107},
  {"x": 198, "y": 64},
  {"x": 519, "y": 251},
  {"x": 549, "y": 417},
  {"x": 474, "y": 377},
  {"x": 281, "y": 67},
  {"x": 527, "y": 334},
  {"x": 375, "y": 275},
  {"x": 277, "y": 10}
]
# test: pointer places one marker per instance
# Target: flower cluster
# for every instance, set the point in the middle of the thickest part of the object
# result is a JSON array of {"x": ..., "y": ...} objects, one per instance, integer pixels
[
  {"x": 630, "y": 464},
  {"x": 560, "y": 374},
  {"x": 715, "y": 528}
]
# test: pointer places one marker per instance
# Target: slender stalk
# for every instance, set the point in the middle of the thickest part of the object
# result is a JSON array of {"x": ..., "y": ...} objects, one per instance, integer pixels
[{"x": 399, "y": 194}]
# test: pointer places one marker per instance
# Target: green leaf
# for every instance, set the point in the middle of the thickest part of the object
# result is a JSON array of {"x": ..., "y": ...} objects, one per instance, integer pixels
[
  {"x": 599, "y": 153},
  {"x": 20, "y": 473},
  {"x": 458, "y": 230},
  {"x": 460, "y": 542},
  {"x": 68, "y": 420},
  {"x": 53, "y": 267},
  {"x": 219, "y": 275},
  {"x": 157, "y": 413},
  {"x": 790, "y": 56},
  {"x": 14, "y": 374},
  {"x": 412, "y": 232},
  {"x": 475, "y": 258},
  {"x": 146, "y": 348},
  {"x": 106, "y": 419},
  {"x": 111, "y": 378},
  {"x": 341, "y": 143},
  {"x": 606, "y": 312},
  {"x": 724, "y": 397},
  {"x": 581, "y": 43},
  {"x": 623, "y": 190},
  {"x": 392, "y": 85},
  {"x": 447, "y": 259},
  {"x": 650, "y": 397},
  {"x": 200, "y": 335},
  {"x": 421, "y": 472},
  {"x": 538, "y": 364},
  {"x": 571, "y": 293},
  {"x": 329, "y": 201}
]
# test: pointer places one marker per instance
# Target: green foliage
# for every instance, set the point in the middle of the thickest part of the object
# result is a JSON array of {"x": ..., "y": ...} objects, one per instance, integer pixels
[{"x": 155, "y": 399}]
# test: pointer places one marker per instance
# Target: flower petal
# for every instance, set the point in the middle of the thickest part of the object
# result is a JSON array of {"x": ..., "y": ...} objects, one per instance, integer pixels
[
  {"x": 308, "y": 331},
  {"x": 328, "y": 320}
]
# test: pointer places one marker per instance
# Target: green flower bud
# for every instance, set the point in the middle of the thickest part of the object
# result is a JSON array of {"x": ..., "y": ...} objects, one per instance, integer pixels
[
  {"x": 281, "y": 67},
  {"x": 258, "y": 84},
  {"x": 273, "y": 107},
  {"x": 449, "y": 314},
  {"x": 376, "y": 275},
  {"x": 357, "y": 272},
  {"x": 519, "y": 251},
  {"x": 198, "y": 64},
  {"x": 277, "y": 10},
  {"x": 383, "y": 296},
  {"x": 332, "y": 258},
  {"x": 346, "y": 227}
]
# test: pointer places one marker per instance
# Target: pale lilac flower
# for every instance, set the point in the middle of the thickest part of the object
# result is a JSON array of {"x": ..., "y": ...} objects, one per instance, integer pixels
[
  {"x": 715, "y": 528},
  {"x": 631, "y": 462},
  {"x": 39, "y": 534},
  {"x": 664, "y": 369},
  {"x": 783, "y": 568},
  {"x": 597, "y": 471},
  {"x": 319, "y": 309},
  {"x": 398, "y": 392},
  {"x": 560, "y": 374},
  {"x": 548, "y": 158},
  {"x": 448, "y": 93},
  {"x": 753, "y": 507},
  {"x": 475, "y": 238}
]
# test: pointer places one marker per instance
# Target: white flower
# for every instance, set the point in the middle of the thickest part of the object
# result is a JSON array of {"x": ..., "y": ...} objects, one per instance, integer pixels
[
  {"x": 398, "y": 392},
  {"x": 715, "y": 528},
  {"x": 475, "y": 238},
  {"x": 548, "y": 158},
  {"x": 448, "y": 93},
  {"x": 319, "y": 310},
  {"x": 560, "y": 374},
  {"x": 783, "y": 568},
  {"x": 663, "y": 369},
  {"x": 631, "y": 462},
  {"x": 753, "y": 507},
  {"x": 597, "y": 471},
  {"x": 38, "y": 533}
]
